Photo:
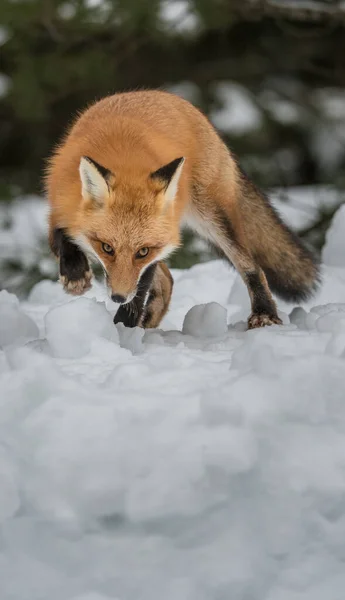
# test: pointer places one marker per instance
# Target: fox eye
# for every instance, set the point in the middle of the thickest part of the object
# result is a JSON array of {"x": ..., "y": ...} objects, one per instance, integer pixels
[
  {"x": 142, "y": 253},
  {"x": 107, "y": 249}
]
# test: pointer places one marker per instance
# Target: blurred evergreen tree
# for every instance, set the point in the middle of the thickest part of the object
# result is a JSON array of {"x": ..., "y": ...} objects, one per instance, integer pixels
[
  {"x": 286, "y": 67},
  {"x": 59, "y": 56}
]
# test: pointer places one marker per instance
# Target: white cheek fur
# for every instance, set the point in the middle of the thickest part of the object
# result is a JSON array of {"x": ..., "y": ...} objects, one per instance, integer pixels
[
  {"x": 85, "y": 245},
  {"x": 164, "y": 253}
]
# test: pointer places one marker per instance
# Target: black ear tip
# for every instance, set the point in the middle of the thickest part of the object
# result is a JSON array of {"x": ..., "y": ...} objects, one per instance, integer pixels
[
  {"x": 166, "y": 173},
  {"x": 89, "y": 160},
  {"x": 177, "y": 161},
  {"x": 102, "y": 170}
]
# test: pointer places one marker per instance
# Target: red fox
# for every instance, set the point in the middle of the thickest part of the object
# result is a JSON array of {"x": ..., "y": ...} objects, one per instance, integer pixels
[{"x": 133, "y": 169}]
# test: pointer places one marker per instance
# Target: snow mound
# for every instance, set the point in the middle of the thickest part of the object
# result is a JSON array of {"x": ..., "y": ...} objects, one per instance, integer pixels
[
  {"x": 197, "y": 461},
  {"x": 205, "y": 320},
  {"x": 72, "y": 328},
  {"x": 333, "y": 252},
  {"x": 15, "y": 326}
]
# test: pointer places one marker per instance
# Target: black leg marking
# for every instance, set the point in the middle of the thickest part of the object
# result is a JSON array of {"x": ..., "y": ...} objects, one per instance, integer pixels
[
  {"x": 131, "y": 313},
  {"x": 262, "y": 304},
  {"x": 73, "y": 262},
  {"x": 75, "y": 273},
  {"x": 225, "y": 225}
]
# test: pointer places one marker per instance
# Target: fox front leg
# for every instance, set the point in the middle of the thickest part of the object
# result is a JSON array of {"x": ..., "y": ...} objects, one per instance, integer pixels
[
  {"x": 131, "y": 314},
  {"x": 75, "y": 272},
  {"x": 152, "y": 301},
  {"x": 159, "y": 297}
]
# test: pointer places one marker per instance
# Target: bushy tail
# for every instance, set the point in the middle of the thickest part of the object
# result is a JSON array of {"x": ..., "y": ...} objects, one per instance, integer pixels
[{"x": 292, "y": 271}]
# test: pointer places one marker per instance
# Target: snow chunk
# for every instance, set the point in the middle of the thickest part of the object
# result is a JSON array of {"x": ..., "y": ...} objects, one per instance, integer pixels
[
  {"x": 336, "y": 345},
  {"x": 135, "y": 470},
  {"x": 8, "y": 299},
  {"x": 333, "y": 252},
  {"x": 47, "y": 292},
  {"x": 9, "y": 498},
  {"x": 72, "y": 328},
  {"x": 93, "y": 596},
  {"x": 298, "y": 317},
  {"x": 131, "y": 338},
  {"x": 15, "y": 325},
  {"x": 205, "y": 320},
  {"x": 332, "y": 322}
]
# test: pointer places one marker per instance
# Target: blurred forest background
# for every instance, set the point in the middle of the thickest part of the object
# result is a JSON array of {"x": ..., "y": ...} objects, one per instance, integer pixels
[{"x": 269, "y": 73}]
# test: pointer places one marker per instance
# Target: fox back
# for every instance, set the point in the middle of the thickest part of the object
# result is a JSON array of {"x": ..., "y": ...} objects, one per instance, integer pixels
[{"x": 135, "y": 166}]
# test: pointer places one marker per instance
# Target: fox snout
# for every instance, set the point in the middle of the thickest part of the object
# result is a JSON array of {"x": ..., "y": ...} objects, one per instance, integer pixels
[
  {"x": 121, "y": 299},
  {"x": 118, "y": 298},
  {"x": 140, "y": 288},
  {"x": 122, "y": 284}
]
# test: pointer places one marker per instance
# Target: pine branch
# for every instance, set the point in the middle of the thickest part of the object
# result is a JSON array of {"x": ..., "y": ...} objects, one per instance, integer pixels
[{"x": 307, "y": 11}]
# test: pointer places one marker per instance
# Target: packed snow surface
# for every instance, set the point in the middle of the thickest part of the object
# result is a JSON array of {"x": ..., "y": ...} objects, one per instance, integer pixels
[{"x": 199, "y": 461}]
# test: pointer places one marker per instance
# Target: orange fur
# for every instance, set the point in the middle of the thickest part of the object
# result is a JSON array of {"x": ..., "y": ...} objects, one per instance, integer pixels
[{"x": 132, "y": 135}]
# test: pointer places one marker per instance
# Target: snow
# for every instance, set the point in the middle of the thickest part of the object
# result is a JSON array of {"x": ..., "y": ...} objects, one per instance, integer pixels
[
  {"x": 300, "y": 206},
  {"x": 333, "y": 252},
  {"x": 5, "y": 83},
  {"x": 238, "y": 113},
  {"x": 332, "y": 103},
  {"x": 186, "y": 89},
  {"x": 178, "y": 15},
  {"x": 197, "y": 461},
  {"x": 67, "y": 10},
  {"x": 283, "y": 110},
  {"x": 15, "y": 325},
  {"x": 23, "y": 224},
  {"x": 4, "y": 35},
  {"x": 72, "y": 328},
  {"x": 205, "y": 320},
  {"x": 24, "y": 252}
]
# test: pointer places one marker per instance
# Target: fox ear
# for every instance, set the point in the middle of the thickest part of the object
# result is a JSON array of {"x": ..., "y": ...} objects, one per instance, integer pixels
[
  {"x": 95, "y": 181},
  {"x": 168, "y": 176}
]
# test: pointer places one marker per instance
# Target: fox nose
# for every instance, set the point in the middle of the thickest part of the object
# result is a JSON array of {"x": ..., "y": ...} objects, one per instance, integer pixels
[{"x": 118, "y": 298}]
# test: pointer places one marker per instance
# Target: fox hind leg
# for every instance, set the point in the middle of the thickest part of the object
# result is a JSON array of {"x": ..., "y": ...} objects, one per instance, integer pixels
[
  {"x": 214, "y": 224},
  {"x": 264, "y": 310}
]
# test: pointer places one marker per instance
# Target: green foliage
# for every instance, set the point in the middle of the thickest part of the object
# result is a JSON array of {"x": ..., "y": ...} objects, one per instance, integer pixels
[{"x": 60, "y": 55}]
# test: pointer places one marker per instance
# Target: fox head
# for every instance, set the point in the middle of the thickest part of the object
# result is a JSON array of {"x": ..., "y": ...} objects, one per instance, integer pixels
[{"x": 127, "y": 223}]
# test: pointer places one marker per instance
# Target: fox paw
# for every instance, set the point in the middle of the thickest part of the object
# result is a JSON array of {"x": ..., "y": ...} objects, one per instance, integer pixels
[
  {"x": 255, "y": 321},
  {"x": 77, "y": 287}
]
